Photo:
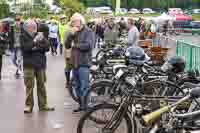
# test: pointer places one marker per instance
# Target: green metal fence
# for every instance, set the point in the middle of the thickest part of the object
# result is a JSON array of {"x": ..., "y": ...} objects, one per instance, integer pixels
[{"x": 190, "y": 52}]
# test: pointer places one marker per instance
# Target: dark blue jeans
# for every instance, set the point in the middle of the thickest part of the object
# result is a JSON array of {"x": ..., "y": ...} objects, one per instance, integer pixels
[
  {"x": 81, "y": 77},
  {"x": 54, "y": 45}
]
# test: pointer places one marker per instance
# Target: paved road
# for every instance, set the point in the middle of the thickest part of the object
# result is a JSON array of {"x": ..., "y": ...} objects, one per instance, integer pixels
[
  {"x": 12, "y": 118},
  {"x": 187, "y": 37}
]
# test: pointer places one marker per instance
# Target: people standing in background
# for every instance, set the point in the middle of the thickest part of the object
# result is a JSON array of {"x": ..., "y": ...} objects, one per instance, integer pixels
[
  {"x": 17, "y": 60},
  {"x": 62, "y": 26},
  {"x": 171, "y": 27},
  {"x": 3, "y": 46},
  {"x": 53, "y": 37},
  {"x": 153, "y": 29},
  {"x": 67, "y": 55},
  {"x": 142, "y": 26},
  {"x": 165, "y": 27},
  {"x": 122, "y": 26},
  {"x": 99, "y": 33},
  {"x": 133, "y": 33},
  {"x": 111, "y": 32}
]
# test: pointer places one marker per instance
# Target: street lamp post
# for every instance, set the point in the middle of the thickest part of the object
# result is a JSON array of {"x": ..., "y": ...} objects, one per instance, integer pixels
[{"x": 117, "y": 7}]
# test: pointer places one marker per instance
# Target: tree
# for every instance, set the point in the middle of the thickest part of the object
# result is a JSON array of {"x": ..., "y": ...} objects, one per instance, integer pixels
[
  {"x": 145, "y": 3},
  {"x": 72, "y": 6},
  {"x": 112, "y": 3},
  {"x": 4, "y": 9},
  {"x": 56, "y": 2},
  {"x": 38, "y": 1},
  {"x": 39, "y": 12}
]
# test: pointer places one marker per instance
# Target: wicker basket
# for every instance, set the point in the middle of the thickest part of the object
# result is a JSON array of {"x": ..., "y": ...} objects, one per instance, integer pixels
[{"x": 158, "y": 54}]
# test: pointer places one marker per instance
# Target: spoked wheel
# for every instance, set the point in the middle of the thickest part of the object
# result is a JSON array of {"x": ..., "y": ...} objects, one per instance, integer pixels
[
  {"x": 104, "y": 113},
  {"x": 72, "y": 88},
  {"x": 98, "y": 93},
  {"x": 103, "y": 92}
]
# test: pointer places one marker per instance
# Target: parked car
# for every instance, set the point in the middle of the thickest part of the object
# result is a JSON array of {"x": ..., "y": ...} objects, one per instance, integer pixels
[
  {"x": 123, "y": 11},
  {"x": 196, "y": 11},
  {"x": 133, "y": 11},
  {"x": 99, "y": 10},
  {"x": 195, "y": 24},
  {"x": 159, "y": 10},
  {"x": 105, "y": 11},
  {"x": 148, "y": 11}
]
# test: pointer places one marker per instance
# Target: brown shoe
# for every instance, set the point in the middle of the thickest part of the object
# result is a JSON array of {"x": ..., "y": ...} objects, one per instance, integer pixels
[
  {"x": 28, "y": 109},
  {"x": 47, "y": 109}
]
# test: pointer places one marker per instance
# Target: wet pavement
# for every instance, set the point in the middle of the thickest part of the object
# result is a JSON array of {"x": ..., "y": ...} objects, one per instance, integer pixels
[
  {"x": 188, "y": 38},
  {"x": 12, "y": 94}
]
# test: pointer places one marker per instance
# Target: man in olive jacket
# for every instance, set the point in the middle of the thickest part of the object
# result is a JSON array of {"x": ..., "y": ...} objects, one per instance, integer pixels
[{"x": 34, "y": 45}]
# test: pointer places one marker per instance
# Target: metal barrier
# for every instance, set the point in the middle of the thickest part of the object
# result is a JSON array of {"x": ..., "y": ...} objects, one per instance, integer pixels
[{"x": 191, "y": 54}]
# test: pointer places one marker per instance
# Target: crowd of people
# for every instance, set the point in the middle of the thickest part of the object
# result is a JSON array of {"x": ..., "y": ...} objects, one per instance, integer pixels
[{"x": 31, "y": 39}]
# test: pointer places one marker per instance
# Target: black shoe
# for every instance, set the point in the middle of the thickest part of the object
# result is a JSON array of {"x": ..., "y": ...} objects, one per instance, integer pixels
[
  {"x": 79, "y": 109},
  {"x": 17, "y": 75}
]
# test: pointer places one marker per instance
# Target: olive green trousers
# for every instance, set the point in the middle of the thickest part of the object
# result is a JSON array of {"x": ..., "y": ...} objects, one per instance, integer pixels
[{"x": 30, "y": 74}]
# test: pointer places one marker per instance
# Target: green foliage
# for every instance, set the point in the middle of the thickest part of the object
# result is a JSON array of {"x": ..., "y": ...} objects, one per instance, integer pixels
[
  {"x": 2, "y": 1},
  {"x": 4, "y": 9},
  {"x": 38, "y": 11},
  {"x": 145, "y": 3},
  {"x": 112, "y": 3},
  {"x": 72, "y": 6},
  {"x": 56, "y": 2},
  {"x": 196, "y": 17}
]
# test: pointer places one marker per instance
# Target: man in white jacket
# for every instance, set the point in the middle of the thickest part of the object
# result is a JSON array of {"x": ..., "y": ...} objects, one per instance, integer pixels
[{"x": 133, "y": 33}]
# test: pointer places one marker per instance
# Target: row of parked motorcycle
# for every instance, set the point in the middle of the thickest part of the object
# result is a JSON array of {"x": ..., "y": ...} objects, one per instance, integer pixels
[{"x": 129, "y": 94}]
